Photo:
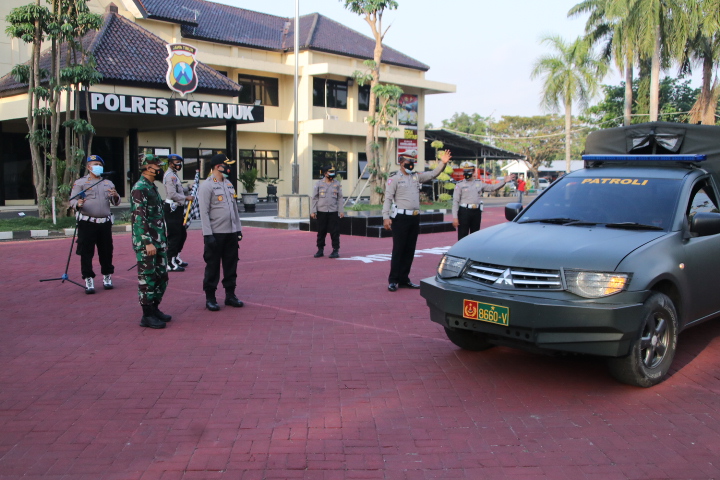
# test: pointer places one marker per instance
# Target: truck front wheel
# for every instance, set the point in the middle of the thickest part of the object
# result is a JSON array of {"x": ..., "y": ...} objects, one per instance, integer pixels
[
  {"x": 467, "y": 340},
  {"x": 654, "y": 350}
]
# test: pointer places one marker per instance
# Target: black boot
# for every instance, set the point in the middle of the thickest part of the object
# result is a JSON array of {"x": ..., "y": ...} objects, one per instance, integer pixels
[
  {"x": 319, "y": 253},
  {"x": 160, "y": 315},
  {"x": 149, "y": 319},
  {"x": 335, "y": 253},
  {"x": 211, "y": 303},
  {"x": 232, "y": 300}
]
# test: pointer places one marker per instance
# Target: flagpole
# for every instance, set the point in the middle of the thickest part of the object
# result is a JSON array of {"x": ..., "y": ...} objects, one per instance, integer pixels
[{"x": 296, "y": 47}]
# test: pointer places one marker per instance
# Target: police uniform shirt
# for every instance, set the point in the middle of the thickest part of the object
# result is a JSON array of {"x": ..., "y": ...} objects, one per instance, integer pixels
[
  {"x": 97, "y": 199},
  {"x": 173, "y": 187},
  {"x": 218, "y": 207},
  {"x": 470, "y": 192},
  {"x": 404, "y": 190},
  {"x": 326, "y": 197}
]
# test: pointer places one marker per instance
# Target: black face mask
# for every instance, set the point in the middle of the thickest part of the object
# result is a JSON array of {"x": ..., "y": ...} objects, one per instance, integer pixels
[
  {"x": 467, "y": 175},
  {"x": 409, "y": 166},
  {"x": 331, "y": 175},
  {"x": 177, "y": 166}
]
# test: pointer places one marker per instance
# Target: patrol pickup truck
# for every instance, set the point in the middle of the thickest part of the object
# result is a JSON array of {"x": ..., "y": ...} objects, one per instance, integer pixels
[{"x": 613, "y": 260}]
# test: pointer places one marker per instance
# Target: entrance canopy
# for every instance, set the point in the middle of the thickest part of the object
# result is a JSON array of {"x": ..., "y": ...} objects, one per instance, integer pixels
[{"x": 465, "y": 148}]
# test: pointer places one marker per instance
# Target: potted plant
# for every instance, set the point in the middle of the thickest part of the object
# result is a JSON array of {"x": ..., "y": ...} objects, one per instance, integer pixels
[
  {"x": 271, "y": 187},
  {"x": 248, "y": 178}
]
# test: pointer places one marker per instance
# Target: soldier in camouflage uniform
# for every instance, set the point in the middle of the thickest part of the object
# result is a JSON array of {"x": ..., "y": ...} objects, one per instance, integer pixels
[{"x": 149, "y": 237}]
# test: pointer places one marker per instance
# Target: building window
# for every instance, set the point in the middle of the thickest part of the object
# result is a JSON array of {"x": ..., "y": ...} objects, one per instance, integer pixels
[
  {"x": 267, "y": 162},
  {"x": 364, "y": 98},
  {"x": 329, "y": 93},
  {"x": 362, "y": 163},
  {"x": 197, "y": 158},
  {"x": 258, "y": 90},
  {"x": 335, "y": 159}
]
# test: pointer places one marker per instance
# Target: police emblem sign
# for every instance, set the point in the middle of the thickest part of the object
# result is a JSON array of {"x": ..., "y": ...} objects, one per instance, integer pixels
[{"x": 181, "y": 75}]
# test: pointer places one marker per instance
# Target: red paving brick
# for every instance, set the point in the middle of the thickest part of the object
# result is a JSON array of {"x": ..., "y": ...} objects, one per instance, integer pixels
[{"x": 323, "y": 375}]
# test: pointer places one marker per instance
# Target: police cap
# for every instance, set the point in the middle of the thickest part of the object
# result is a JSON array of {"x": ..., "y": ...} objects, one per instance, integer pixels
[
  {"x": 95, "y": 158},
  {"x": 174, "y": 157},
  {"x": 219, "y": 159}
]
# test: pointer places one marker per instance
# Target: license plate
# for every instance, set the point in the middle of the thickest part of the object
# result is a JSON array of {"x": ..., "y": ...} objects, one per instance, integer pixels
[{"x": 486, "y": 312}]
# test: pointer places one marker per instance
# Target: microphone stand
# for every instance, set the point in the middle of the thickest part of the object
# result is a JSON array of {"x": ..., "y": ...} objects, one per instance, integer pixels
[{"x": 64, "y": 277}]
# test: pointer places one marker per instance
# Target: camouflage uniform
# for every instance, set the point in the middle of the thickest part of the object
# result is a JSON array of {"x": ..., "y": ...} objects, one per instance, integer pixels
[{"x": 148, "y": 227}]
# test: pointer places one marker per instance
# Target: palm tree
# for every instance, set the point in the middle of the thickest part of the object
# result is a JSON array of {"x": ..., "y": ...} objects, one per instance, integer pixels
[
  {"x": 572, "y": 73},
  {"x": 698, "y": 42},
  {"x": 653, "y": 24},
  {"x": 607, "y": 24}
]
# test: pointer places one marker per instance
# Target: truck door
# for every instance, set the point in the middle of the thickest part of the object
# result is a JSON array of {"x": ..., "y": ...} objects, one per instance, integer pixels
[{"x": 702, "y": 256}]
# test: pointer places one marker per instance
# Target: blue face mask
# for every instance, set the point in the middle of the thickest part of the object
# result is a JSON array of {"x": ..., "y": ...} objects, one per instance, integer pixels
[{"x": 96, "y": 170}]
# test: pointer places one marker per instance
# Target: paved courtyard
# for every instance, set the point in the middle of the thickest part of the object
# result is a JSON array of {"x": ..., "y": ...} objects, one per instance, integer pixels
[{"x": 323, "y": 375}]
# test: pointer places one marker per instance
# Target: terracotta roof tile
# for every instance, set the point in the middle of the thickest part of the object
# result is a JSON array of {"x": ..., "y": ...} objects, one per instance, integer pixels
[
  {"x": 127, "y": 54},
  {"x": 214, "y": 22}
]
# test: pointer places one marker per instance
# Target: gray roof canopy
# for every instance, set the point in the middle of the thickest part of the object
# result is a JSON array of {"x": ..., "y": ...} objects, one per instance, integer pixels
[
  {"x": 465, "y": 148},
  {"x": 214, "y": 22}
]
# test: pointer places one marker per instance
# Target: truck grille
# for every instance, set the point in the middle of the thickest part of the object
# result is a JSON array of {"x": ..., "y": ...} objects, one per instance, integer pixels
[{"x": 513, "y": 277}]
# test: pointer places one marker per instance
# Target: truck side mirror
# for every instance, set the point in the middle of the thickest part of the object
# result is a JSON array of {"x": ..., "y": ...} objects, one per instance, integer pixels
[
  {"x": 512, "y": 210},
  {"x": 705, "y": 223}
]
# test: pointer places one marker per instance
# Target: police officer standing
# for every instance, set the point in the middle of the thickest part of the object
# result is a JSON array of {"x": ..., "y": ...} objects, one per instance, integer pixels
[
  {"x": 149, "y": 238},
  {"x": 403, "y": 193},
  {"x": 222, "y": 231},
  {"x": 175, "y": 212},
  {"x": 467, "y": 200},
  {"x": 327, "y": 207},
  {"x": 94, "y": 222}
]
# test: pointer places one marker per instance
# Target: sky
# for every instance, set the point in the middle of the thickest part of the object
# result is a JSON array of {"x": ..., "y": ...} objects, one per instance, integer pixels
[{"x": 487, "y": 49}]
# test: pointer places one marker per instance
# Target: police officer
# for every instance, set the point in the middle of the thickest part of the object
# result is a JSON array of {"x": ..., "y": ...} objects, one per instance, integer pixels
[
  {"x": 467, "y": 200},
  {"x": 175, "y": 212},
  {"x": 327, "y": 207},
  {"x": 149, "y": 238},
  {"x": 222, "y": 231},
  {"x": 403, "y": 194},
  {"x": 94, "y": 222}
]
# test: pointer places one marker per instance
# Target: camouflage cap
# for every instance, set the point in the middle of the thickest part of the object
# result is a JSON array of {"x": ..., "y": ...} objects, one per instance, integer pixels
[{"x": 149, "y": 159}]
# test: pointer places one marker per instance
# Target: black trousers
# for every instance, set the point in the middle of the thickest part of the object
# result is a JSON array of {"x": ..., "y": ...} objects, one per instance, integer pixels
[
  {"x": 328, "y": 222},
  {"x": 176, "y": 232},
  {"x": 469, "y": 221},
  {"x": 224, "y": 251},
  {"x": 89, "y": 236},
  {"x": 405, "y": 230}
]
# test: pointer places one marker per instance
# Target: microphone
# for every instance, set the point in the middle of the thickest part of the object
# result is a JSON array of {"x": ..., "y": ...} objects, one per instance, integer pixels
[{"x": 105, "y": 174}]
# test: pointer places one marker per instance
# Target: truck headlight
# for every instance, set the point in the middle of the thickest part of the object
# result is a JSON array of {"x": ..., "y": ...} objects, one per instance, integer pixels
[
  {"x": 450, "y": 267},
  {"x": 595, "y": 284}
]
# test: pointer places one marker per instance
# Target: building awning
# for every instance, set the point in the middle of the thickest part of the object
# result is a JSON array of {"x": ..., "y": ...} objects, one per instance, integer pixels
[{"x": 465, "y": 148}]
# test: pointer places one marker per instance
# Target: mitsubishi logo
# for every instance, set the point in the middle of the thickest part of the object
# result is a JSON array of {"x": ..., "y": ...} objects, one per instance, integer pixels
[{"x": 505, "y": 279}]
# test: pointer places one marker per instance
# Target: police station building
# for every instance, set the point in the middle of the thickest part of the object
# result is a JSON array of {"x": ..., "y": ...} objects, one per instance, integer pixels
[{"x": 238, "y": 97}]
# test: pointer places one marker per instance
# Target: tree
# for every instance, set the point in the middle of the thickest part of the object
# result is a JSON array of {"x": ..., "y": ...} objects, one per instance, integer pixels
[
  {"x": 474, "y": 124},
  {"x": 607, "y": 24},
  {"x": 654, "y": 24},
  {"x": 676, "y": 98},
  {"x": 372, "y": 11},
  {"x": 571, "y": 74},
  {"x": 63, "y": 25},
  {"x": 539, "y": 139},
  {"x": 699, "y": 44}
]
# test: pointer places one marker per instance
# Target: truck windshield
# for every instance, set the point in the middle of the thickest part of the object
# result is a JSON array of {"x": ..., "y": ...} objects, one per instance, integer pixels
[{"x": 630, "y": 202}]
